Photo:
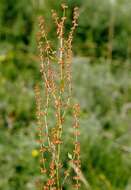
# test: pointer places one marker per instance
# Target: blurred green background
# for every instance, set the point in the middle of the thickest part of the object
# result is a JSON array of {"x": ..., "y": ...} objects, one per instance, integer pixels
[{"x": 102, "y": 86}]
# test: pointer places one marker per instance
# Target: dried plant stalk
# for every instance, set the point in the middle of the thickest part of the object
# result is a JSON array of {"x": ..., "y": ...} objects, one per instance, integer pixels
[{"x": 56, "y": 75}]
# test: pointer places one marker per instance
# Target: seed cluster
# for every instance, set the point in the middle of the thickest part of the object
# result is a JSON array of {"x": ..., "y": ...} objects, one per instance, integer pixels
[
  {"x": 76, "y": 158},
  {"x": 56, "y": 76}
]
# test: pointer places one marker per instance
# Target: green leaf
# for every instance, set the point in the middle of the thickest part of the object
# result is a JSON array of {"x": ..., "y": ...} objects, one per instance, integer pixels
[{"x": 70, "y": 156}]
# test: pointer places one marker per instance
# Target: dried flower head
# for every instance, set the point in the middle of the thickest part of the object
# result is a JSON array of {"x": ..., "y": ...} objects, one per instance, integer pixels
[{"x": 51, "y": 114}]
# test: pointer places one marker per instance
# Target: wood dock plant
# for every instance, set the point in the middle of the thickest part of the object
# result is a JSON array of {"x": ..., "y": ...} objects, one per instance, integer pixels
[{"x": 52, "y": 107}]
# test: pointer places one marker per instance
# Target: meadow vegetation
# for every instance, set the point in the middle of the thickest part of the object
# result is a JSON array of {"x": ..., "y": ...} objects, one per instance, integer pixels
[{"x": 101, "y": 84}]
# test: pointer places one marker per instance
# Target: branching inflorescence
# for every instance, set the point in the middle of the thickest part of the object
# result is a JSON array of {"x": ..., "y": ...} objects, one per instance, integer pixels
[{"x": 51, "y": 113}]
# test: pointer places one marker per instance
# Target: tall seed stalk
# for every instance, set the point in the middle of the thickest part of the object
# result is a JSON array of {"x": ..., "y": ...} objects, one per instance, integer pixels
[{"x": 56, "y": 76}]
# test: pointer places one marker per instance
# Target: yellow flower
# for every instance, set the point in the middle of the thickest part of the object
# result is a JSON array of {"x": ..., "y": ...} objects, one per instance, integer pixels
[
  {"x": 35, "y": 153},
  {"x": 2, "y": 58}
]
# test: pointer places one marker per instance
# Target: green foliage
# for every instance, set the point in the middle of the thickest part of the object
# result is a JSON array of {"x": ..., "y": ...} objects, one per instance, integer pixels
[
  {"x": 104, "y": 93},
  {"x": 105, "y": 122},
  {"x": 102, "y": 87},
  {"x": 17, "y": 165},
  {"x": 18, "y": 25}
]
